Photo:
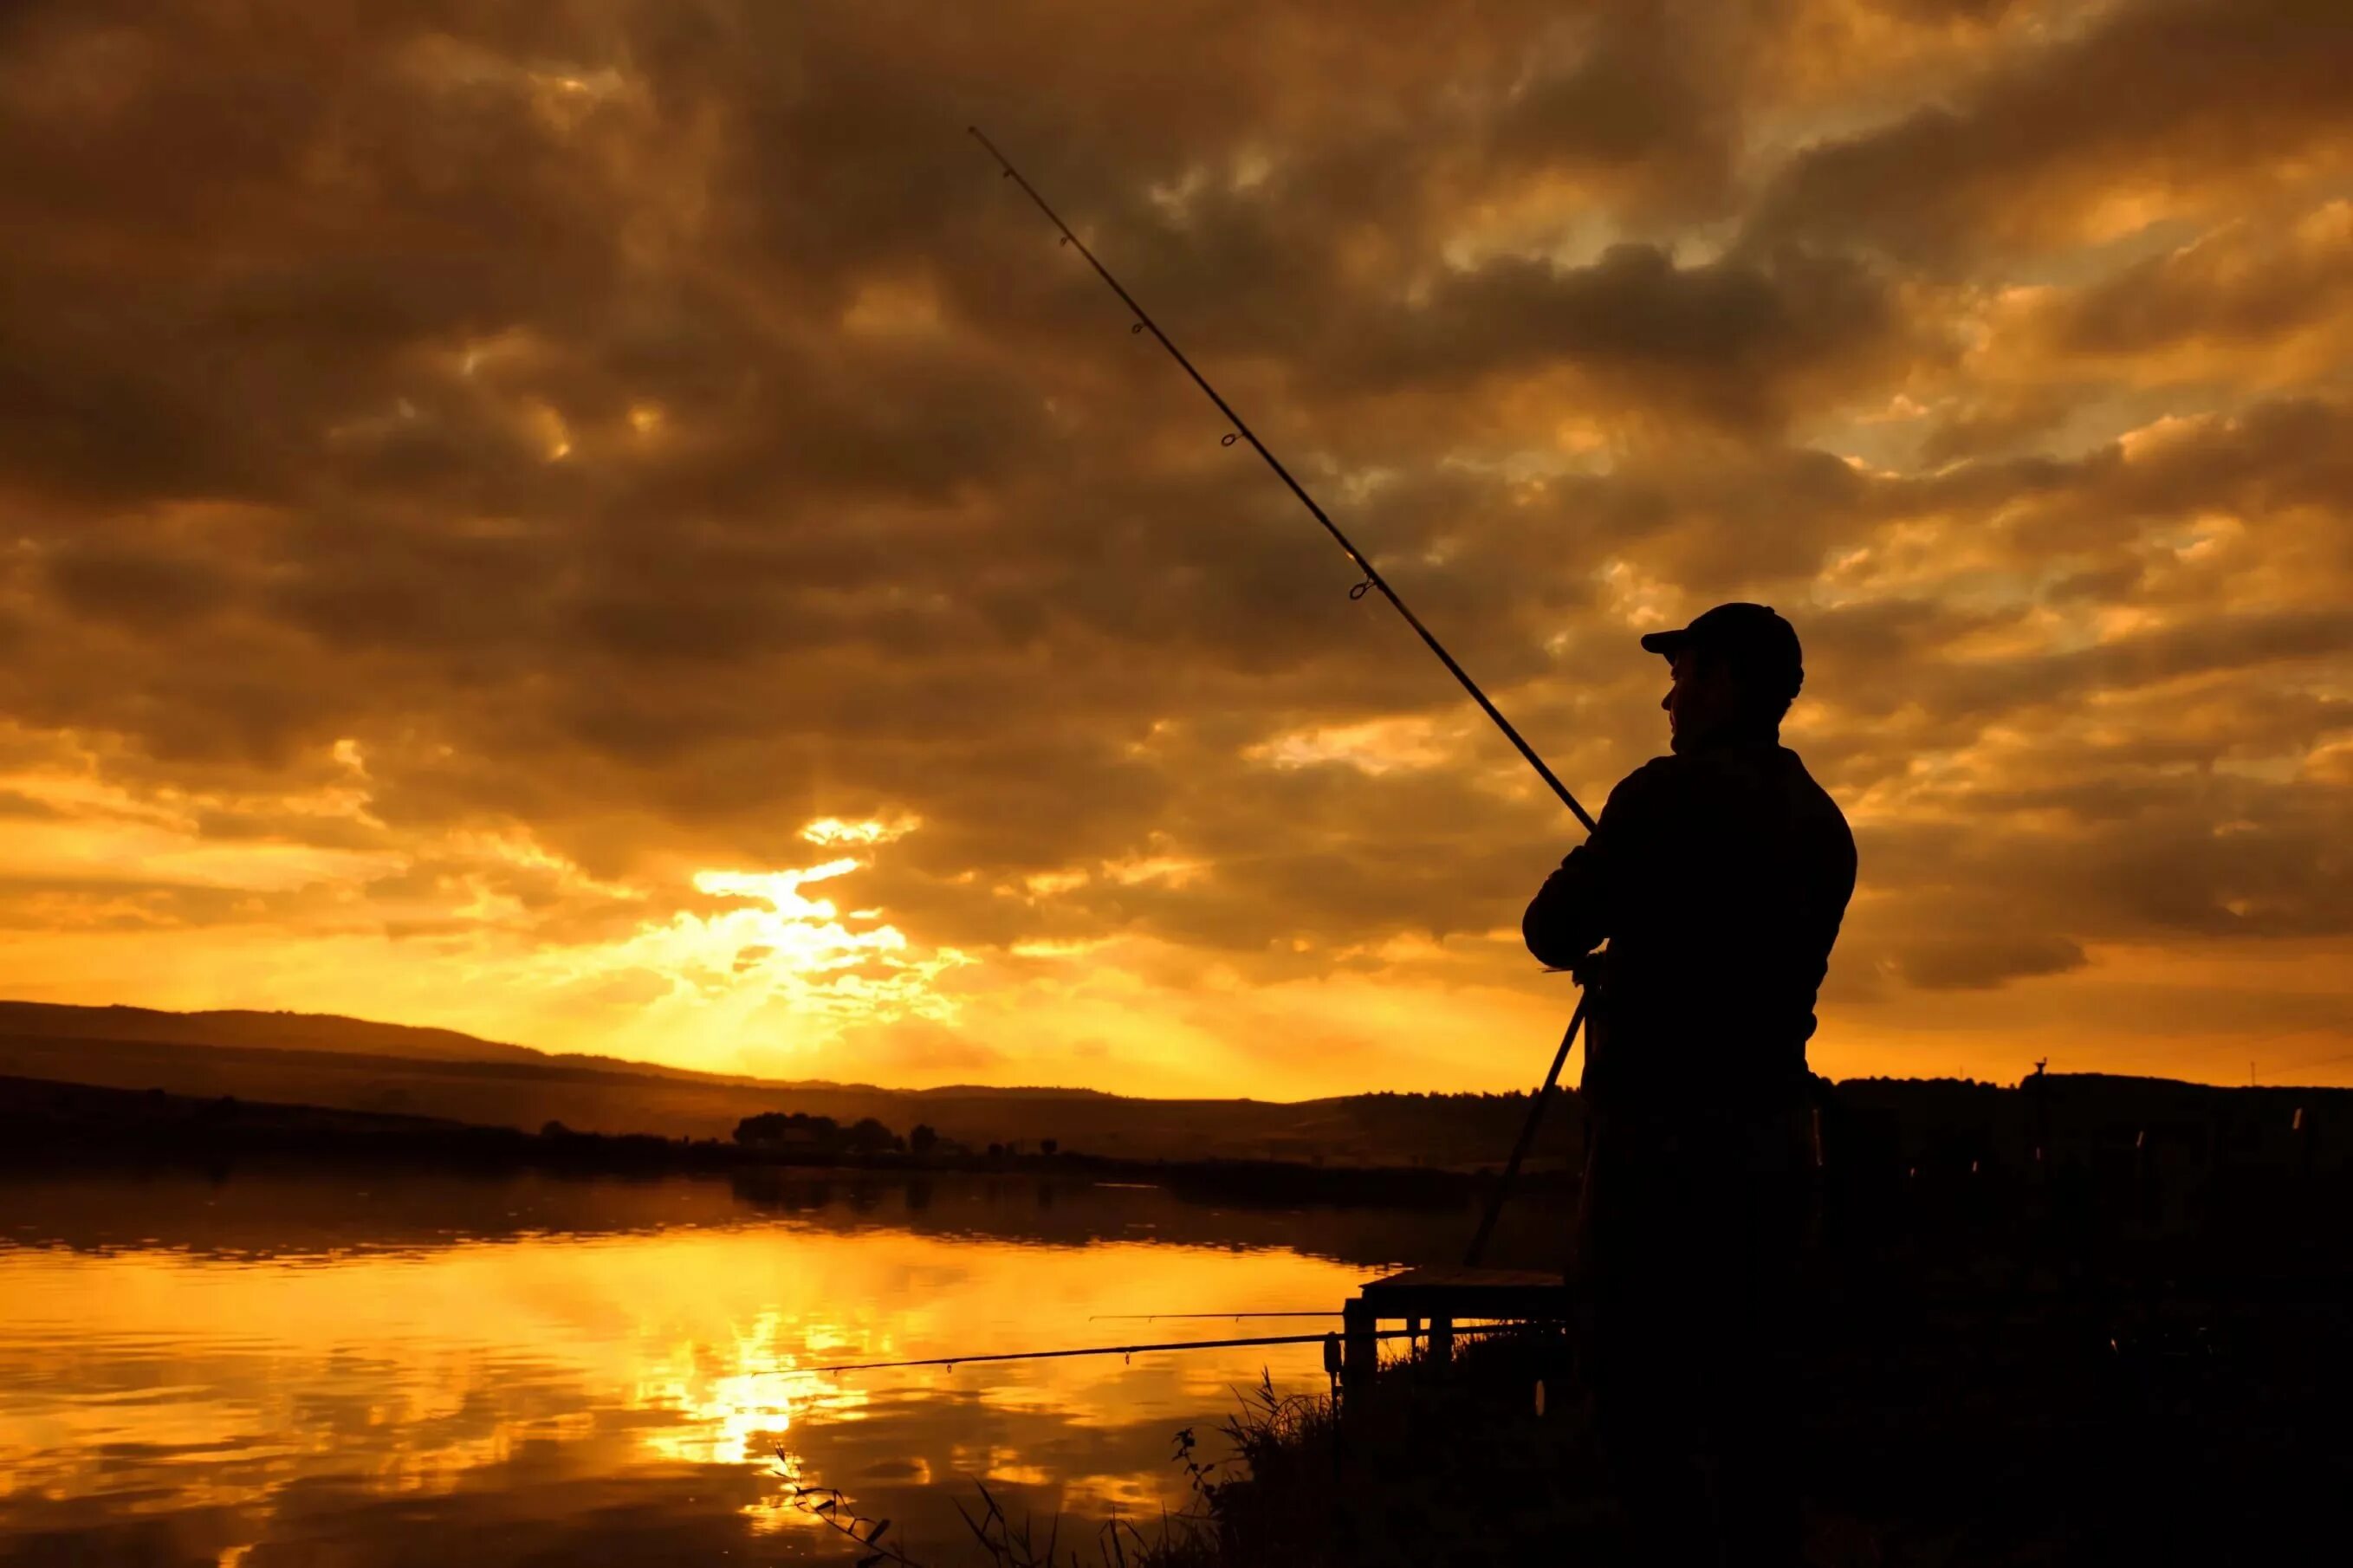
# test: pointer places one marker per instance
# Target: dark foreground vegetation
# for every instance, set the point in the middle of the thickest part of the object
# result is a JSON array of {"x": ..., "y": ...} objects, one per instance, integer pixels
[
  {"x": 2096, "y": 1357},
  {"x": 2116, "y": 1347}
]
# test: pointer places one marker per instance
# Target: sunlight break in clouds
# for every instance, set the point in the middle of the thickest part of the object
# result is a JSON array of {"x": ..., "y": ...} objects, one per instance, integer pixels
[
  {"x": 833, "y": 830},
  {"x": 782, "y": 974}
]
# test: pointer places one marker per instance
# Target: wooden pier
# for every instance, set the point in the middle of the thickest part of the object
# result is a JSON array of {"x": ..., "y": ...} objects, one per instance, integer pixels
[{"x": 1441, "y": 1297}]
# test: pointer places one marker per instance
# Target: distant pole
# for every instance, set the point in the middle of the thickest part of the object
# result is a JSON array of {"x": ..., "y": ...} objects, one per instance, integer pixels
[{"x": 2039, "y": 1109}]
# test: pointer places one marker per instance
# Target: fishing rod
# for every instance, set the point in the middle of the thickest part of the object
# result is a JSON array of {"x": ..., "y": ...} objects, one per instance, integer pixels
[
  {"x": 1174, "y": 1317},
  {"x": 1373, "y": 581},
  {"x": 1330, "y": 1341},
  {"x": 1153, "y": 1317},
  {"x": 1108, "y": 1349}
]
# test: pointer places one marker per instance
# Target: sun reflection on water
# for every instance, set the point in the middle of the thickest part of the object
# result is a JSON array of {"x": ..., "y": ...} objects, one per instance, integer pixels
[
  {"x": 741, "y": 1407},
  {"x": 550, "y": 1379}
]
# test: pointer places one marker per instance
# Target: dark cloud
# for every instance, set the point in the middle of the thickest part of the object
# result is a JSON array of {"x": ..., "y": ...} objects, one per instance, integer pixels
[
  {"x": 1963, "y": 963},
  {"x": 1639, "y": 100},
  {"x": 2231, "y": 285},
  {"x": 2167, "y": 103},
  {"x": 137, "y": 588},
  {"x": 1730, "y": 341}
]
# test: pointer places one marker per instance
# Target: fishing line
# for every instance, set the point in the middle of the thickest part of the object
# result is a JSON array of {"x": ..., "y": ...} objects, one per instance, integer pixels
[{"x": 1331, "y": 1339}]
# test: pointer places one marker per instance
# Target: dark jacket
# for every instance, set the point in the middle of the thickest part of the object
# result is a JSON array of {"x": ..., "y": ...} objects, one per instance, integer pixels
[{"x": 1718, "y": 877}]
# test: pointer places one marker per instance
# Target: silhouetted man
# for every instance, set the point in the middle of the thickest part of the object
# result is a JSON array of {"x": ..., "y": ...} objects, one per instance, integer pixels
[{"x": 1718, "y": 877}]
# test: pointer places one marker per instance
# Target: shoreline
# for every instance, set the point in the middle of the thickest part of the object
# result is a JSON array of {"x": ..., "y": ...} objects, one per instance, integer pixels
[{"x": 50, "y": 1124}]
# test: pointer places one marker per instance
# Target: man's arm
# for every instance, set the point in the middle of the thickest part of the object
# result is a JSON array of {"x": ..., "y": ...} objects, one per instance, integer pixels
[{"x": 1579, "y": 905}]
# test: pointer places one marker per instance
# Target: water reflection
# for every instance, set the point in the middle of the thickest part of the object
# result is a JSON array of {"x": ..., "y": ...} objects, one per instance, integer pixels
[{"x": 268, "y": 1370}]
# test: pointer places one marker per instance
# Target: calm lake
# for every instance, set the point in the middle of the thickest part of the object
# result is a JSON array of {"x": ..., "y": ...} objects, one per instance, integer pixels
[{"x": 331, "y": 1368}]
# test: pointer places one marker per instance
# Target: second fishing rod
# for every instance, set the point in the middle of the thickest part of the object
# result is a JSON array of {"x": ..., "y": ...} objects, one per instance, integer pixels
[{"x": 1372, "y": 582}]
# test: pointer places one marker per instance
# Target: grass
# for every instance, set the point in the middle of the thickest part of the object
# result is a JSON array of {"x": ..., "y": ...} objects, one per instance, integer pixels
[{"x": 1465, "y": 1462}]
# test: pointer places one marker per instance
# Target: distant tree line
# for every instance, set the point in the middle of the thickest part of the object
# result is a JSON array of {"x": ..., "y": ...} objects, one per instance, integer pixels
[
  {"x": 794, "y": 1130},
  {"x": 798, "y": 1129}
]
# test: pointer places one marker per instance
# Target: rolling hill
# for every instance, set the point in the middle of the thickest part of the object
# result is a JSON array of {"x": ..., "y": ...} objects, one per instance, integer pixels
[{"x": 356, "y": 1065}]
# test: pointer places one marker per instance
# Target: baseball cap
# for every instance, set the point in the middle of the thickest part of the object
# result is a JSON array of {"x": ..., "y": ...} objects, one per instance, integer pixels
[{"x": 1761, "y": 646}]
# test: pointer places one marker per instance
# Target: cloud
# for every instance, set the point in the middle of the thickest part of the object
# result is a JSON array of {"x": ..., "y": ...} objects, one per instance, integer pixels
[
  {"x": 1939, "y": 963},
  {"x": 2127, "y": 114},
  {"x": 1728, "y": 340},
  {"x": 518, "y": 468}
]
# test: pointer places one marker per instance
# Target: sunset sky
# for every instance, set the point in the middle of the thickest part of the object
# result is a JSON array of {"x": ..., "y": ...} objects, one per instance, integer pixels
[{"x": 608, "y": 525}]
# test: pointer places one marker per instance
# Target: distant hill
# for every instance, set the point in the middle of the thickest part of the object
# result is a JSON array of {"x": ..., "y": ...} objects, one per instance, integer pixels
[
  {"x": 247, "y": 1028},
  {"x": 264, "y": 1031},
  {"x": 386, "y": 1069}
]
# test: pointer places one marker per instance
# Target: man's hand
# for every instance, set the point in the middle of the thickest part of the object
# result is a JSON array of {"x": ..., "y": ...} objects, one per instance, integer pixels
[{"x": 1562, "y": 923}]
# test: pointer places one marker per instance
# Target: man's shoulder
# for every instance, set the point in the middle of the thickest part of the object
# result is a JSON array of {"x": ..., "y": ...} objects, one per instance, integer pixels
[
  {"x": 1658, "y": 777},
  {"x": 1804, "y": 776},
  {"x": 1751, "y": 769},
  {"x": 1819, "y": 805},
  {"x": 1716, "y": 775},
  {"x": 1658, "y": 769}
]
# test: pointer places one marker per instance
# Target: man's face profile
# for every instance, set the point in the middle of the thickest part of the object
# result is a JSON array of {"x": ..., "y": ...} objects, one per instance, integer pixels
[{"x": 1701, "y": 699}]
